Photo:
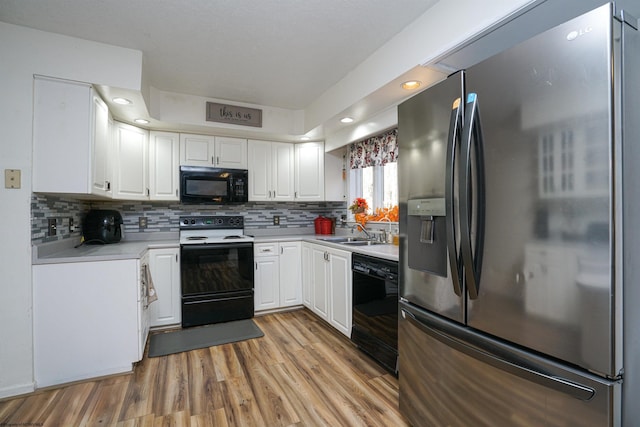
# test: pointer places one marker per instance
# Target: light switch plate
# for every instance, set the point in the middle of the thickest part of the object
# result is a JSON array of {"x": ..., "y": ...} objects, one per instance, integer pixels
[{"x": 12, "y": 178}]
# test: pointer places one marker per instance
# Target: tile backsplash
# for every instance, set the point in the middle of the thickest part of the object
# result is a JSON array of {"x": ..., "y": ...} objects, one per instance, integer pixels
[{"x": 163, "y": 216}]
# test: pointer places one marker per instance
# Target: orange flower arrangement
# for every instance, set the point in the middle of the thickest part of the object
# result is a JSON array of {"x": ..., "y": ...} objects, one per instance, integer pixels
[
  {"x": 359, "y": 205},
  {"x": 381, "y": 214}
]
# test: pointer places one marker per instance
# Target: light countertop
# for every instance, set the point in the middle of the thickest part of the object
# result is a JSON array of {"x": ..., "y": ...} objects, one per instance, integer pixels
[
  {"x": 65, "y": 251},
  {"x": 385, "y": 251}
]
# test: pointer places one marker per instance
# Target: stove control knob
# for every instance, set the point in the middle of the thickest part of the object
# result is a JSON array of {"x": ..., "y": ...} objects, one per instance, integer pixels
[
  {"x": 193, "y": 221},
  {"x": 186, "y": 221}
]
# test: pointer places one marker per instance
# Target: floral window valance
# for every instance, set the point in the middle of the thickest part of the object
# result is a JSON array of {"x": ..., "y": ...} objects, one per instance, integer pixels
[{"x": 375, "y": 151}]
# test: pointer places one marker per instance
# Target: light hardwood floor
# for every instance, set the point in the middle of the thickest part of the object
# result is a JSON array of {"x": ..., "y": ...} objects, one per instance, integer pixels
[{"x": 301, "y": 373}]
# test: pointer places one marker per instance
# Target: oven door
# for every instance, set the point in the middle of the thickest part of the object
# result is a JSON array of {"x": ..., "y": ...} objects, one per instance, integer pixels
[{"x": 217, "y": 283}]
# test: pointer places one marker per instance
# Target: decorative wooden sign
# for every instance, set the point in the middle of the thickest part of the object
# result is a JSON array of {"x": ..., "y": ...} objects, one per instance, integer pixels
[{"x": 233, "y": 114}]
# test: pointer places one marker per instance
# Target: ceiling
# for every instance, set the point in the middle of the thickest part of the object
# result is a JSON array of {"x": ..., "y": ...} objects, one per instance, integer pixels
[{"x": 278, "y": 53}]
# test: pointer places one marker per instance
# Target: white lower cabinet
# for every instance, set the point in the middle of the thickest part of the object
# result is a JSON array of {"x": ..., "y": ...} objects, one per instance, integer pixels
[
  {"x": 86, "y": 320},
  {"x": 164, "y": 265},
  {"x": 277, "y": 279},
  {"x": 327, "y": 284}
]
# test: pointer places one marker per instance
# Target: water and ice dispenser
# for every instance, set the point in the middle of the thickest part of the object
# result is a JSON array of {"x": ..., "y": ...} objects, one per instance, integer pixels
[{"x": 427, "y": 235}]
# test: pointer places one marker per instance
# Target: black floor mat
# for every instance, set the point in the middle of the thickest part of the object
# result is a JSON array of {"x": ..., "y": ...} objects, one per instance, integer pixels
[{"x": 162, "y": 344}]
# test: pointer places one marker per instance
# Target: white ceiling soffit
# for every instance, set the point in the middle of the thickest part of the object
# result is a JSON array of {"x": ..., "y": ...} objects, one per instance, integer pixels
[{"x": 281, "y": 53}]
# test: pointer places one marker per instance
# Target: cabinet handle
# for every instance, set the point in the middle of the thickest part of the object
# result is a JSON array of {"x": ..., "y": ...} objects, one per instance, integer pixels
[
  {"x": 107, "y": 185},
  {"x": 295, "y": 194},
  {"x": 256, "y": 265},
  {"x": 212, "y": 162},
  {"x": 176, "y": 257},
  {"x": 281, "y": 251},
  {"x": 148, "y": 192},
  {"x": 269, "y": 194},
  {"x": 176, "y": 193},
  {"x": 217, "y": 160}
]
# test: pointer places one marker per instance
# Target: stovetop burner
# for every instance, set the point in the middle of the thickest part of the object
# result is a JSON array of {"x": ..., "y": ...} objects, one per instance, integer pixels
[{"x": 212, "y": 229}]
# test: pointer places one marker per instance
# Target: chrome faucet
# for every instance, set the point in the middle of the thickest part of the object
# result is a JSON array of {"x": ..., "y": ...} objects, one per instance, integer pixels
[{"x": 364, "y": 230}]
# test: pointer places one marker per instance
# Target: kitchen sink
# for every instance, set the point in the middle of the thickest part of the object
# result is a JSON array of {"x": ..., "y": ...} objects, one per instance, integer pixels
[
  {"x": 343, "y": 239},
  {"x": 361, "y": 243}
]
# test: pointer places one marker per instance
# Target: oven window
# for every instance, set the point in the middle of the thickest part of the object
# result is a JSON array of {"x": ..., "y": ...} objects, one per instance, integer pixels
[
  {"x": 206, "y": 187},
  {"x": 216, "y": 268}
]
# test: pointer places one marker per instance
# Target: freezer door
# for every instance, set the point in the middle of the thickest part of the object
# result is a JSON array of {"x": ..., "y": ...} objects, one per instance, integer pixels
[
  {"x": 545, "y": 277},
  {"x": 452, "y": 377},
  {"x": 429, "y": 127}
]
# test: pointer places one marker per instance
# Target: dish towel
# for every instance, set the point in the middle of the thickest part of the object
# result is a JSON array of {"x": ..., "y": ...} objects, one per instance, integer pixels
[{"x": 151, "y": 290}]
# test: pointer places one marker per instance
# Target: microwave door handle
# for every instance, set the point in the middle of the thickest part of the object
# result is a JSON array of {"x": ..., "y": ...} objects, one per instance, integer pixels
[{"x": 455, "y": 262}]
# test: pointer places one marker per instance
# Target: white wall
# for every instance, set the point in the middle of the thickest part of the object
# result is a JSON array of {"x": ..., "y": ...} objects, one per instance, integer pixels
[{"x": 26, "y": 52}]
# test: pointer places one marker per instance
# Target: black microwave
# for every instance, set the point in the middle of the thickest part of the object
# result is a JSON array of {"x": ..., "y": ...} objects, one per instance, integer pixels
[{"x": 199, "y": 184}]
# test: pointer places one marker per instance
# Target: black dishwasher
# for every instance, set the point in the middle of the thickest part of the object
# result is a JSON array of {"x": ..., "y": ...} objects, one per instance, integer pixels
[{"x": 375, "y": 309}]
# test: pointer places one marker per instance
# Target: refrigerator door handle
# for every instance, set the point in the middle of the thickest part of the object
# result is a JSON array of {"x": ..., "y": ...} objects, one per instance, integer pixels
[
  {"x": 529, "y": 373},
  {"x": 455, "y": 262},
  {"x": 472, "y": 139}
]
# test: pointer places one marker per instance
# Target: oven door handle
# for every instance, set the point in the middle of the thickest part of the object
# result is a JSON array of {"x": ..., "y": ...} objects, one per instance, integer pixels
[
  {"x": 203, "y": 301},
  {"x": 199, "y": 247}
]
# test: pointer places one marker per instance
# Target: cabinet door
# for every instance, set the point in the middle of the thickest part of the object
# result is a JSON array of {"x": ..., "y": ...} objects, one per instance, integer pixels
[
  {"x": 307, "y": 273},
  {"x": 164, "y": 265},
  {"x": 282, "y": 171},
  {"x": 266, "y": 283},
  {"x": 339, "y": 277},
  {"x": 197, "y": 150},
  {"x": 309, "y": 171},
  {"x": 130, "y": 163},
  {"x": 84, "y": 328},
  {"x": 290, "y": 274},
  {"x": 259, "y": 163},
  {"x": 335, "y": 187},
  {"x": 230, "y": 152},
  {"x": 61, "y": 136},
  {"x": 164, "y": 168},
  {"x": 101, "y": 173},
  {"x": 319, "y": 282}
]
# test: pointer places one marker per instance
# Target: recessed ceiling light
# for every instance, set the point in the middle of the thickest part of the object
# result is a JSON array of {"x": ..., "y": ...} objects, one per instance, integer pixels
[
  {"x": 304, "y": 138},
  {"x": 346, "y": 120},
  {"x": 411, "y": 85},
  {"x": 122, "y": 101},
  {"x": 142, "y": 121}
]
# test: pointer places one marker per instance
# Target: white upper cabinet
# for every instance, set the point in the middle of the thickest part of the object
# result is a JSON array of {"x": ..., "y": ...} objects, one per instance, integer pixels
[
  {"x": 130, "y": 181},
  {"x": 335, "y": 179},
  {"x": 164, "y": 165},
  {"x": 214, "y": 151},
  {"x": 271, "y": 171},
  {"x": 197, "y": 150},
  {"x": 230, "y": 152},
  {"x": 70, "y": 138},
  {"x": 309, "y": 172},
  {"x": 101, "y": 165}
]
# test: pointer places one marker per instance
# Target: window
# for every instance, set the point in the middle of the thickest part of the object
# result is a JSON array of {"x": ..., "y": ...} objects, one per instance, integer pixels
[
  {"x": 377, "y": 184},
  {"x": 374, "y": 171}
]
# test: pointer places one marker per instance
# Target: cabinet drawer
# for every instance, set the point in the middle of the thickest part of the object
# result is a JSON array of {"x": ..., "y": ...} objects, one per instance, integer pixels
[{"x": 265, "y": 249}]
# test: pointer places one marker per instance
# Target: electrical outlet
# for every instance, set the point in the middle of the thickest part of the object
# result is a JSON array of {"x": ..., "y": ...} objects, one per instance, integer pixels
[
  {"x": 142, "y": 222},
  {"x": 276, "y": 220},
  {"x": 52, "y": 227},
  {"x": 72, "y": 227}
]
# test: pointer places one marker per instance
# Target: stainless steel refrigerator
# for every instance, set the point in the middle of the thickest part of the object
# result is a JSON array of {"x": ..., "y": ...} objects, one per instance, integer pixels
[{"x": 519, "y": 211}]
